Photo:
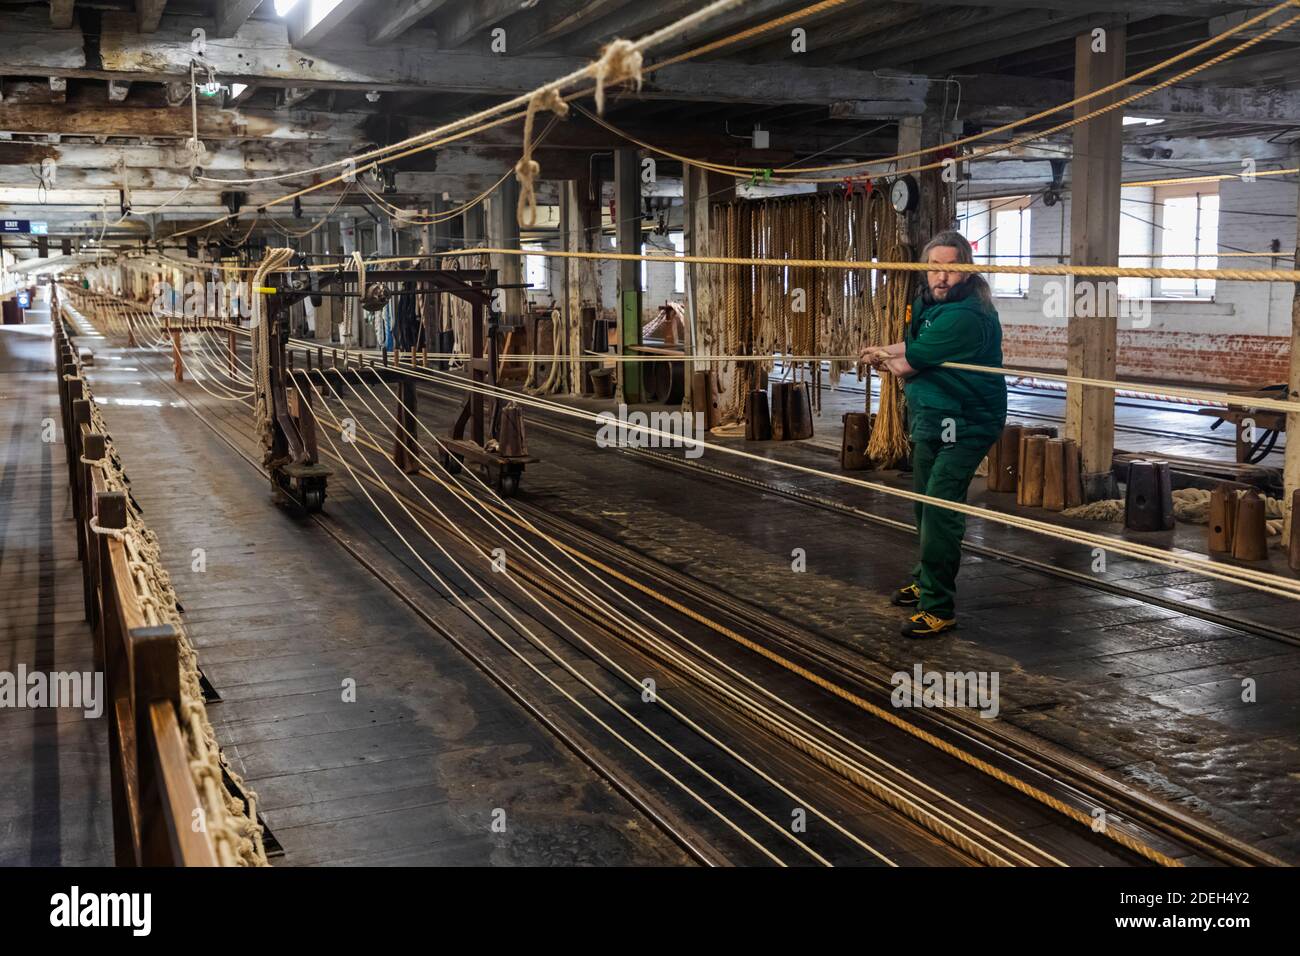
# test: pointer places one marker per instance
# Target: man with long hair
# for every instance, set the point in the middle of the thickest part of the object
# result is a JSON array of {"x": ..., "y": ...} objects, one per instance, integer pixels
[{"x": 954, "y": 416}]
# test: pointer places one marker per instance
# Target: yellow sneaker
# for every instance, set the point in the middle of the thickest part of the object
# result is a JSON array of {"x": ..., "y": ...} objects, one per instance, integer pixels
[
  {"x": 925, "y": 624},
  {"x": 906, "y": 597}
]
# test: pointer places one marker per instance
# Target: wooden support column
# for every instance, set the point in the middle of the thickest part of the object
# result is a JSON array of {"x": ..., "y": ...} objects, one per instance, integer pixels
[
  {"x": 627, "y": 212},
  {"x": 580, "y": 227},
  {"x": 350, "y": 309},
  {"x": 473, "y": 223},
  {"x": 921, "y": 132},
  {"x": 1291, "y": 463},
  {"x": 503, "y": 226},
  {"x": 1095, "y": 176},
  {"x": 405, "y": 448},
  {"x": 178, "y": 366},
  {"x": 702, "y": 189}
]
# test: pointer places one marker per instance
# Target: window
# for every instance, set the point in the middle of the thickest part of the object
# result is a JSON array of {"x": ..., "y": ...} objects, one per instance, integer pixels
[
  {"x": 998, "y": 231},
  {"x": 1136, "y": 235},
  {"x": 679, "y": 268},
  {"x": 535, "y": 269},
  {"x": 1171, "y": 227},
  {"x": 1188, "y": 224}
]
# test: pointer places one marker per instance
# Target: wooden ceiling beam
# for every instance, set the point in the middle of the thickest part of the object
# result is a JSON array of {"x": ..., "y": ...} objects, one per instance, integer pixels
[
  {"x": 400, "y": 16},
  {"x": 231, "y": 15}
]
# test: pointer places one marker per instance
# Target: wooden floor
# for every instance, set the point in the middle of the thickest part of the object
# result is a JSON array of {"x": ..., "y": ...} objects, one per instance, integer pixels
[
  {"x": 413, "y": 769},
  {"x": 54, "y": 786}
]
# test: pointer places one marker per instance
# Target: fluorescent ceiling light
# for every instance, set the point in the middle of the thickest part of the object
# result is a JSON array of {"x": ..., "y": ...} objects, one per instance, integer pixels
[
  {"x": 1141, "y": 121},
  {"x": 237, "y": 89}
]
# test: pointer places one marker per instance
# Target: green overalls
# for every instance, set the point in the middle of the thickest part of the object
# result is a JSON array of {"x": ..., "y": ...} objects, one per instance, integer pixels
[{"x": 955, "y": 417}]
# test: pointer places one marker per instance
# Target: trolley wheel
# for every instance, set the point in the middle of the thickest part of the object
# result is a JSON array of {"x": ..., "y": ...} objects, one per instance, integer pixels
[
  {"x": 451, "y": 462},
  {"x": 509, "y": 483},
  {"x": 313, "y": 499}
]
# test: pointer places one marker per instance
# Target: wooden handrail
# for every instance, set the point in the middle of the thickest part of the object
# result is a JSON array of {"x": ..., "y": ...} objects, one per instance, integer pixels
[{"x": 158, "y": 817}]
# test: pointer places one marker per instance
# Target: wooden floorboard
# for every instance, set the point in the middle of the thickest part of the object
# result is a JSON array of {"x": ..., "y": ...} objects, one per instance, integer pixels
[
  {"x": 282, "y": 617},
  {"x": 54, "y": 787}
]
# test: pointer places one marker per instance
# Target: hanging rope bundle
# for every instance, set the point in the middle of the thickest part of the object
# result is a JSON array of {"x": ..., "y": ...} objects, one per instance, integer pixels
[
  {"x": 888, "y": 444},
  {"x": 527, "y": 168},
  {"x": 802, "y": 309},
  {"x": 620, "y": 62},
  {"x": 263, "y": 403}
]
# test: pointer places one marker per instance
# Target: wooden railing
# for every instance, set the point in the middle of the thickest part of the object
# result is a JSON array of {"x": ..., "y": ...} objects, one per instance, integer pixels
[{"x": 158, "y": 819}]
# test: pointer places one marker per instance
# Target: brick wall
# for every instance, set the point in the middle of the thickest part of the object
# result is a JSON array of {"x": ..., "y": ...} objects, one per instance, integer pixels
[{"x": 1200, "y": 357}]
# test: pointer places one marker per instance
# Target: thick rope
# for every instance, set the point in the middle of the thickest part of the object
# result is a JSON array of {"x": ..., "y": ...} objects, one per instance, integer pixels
[{"x": 527, "y": 168}]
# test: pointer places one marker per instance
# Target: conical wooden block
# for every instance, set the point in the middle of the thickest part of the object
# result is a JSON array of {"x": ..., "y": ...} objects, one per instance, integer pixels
[
  {"x": 1223, "y": 514},
  {"x": 853, "y": 446},
  {"x": 798, "y": 412},
  {"x": 758, "y": 418},
  {"x": 1054, "y": 474},
  {"x": 1250, "y": 541},
  {"x": 1030, "y": 490}
]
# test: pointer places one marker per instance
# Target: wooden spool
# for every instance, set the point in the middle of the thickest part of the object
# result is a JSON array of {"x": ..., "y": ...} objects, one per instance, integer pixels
[
  {"x": 798, "y": 412},
  {"x": 853, "y": 446},
  {"x": 1249, "y": 539},
  {"x": 1029, "y": 492},
  {"x": 1054, "y": 474},
  {"x": 758, "y": 418},
  {"x": 779, "y": 392},
  {"x": 1223, "y": 519},
  {"x": 1293, "y": 548}
]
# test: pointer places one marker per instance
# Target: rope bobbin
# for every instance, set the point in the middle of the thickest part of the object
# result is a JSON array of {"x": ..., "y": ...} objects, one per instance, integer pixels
[
  {"x": 619, "y": 61},
  {"x": 527, "y": 168}
]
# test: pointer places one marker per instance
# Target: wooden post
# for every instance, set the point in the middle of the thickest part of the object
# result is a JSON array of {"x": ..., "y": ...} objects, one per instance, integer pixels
[
  {"x": 504, "y": 231},
  {"x": 93, "y": 448},
  {"x": 74, "y": 451},
  {"x": 405, "y": 454},
  {"x": 111, "y": 513},
  {"x": 627, "y": 226},
  {"x": 1291, "y": 463},
  {"x": 178, "y": 368},
  {"x": 1094, "y": 240},
  {"x": 168, "y": 799},
  {"x": 703, "y": 189}
]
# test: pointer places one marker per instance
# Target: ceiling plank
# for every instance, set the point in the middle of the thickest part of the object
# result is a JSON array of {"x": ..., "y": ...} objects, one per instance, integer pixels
[
  {"x": 400, "y": 17},
  {"x": 61, "y": 13},
  {"x": 311, "y": 24},
  {"x": 44, "y": 49},
  {"x": 549, "y": 22},
  {"x": 232, "y": 14},
  {"x": 457, "y": 24},
  {"x": 148, "y": 13},
  {"x": 88, "y": 120}
]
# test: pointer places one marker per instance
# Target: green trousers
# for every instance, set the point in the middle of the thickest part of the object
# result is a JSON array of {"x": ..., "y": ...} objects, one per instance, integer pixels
[{"x": 942, "y": 471}]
